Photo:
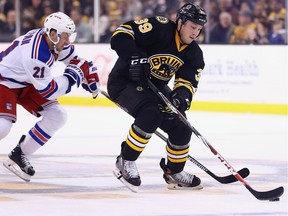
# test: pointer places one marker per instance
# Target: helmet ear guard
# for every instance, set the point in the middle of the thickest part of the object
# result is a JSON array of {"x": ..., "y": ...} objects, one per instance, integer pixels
[{"x": 193, "y": 13}]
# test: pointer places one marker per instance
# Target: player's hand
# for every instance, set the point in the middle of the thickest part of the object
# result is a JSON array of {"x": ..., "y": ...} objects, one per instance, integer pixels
[
  {"x": 180, "y": 102},
  {"x": 76, "y": 71},
  {"x": 91, "y": 82},
  {"x": 139, "y": 69}
]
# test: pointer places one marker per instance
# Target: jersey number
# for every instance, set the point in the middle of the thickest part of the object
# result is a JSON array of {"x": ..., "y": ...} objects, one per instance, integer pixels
[
  {"x": 39, "y": 72},
  {"x": 144, "y": 25}
]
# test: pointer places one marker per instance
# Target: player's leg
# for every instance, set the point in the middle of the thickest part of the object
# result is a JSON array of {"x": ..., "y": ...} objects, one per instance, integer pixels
[
  {"x": 8, "y": 115},
  {"x": 7, "y": 110},
  {"x": 5, "y": 127},
  {"x": 177, "y": 149},
  {"x": 53, "y": 118},
  {"x": 143, "y": 106}
]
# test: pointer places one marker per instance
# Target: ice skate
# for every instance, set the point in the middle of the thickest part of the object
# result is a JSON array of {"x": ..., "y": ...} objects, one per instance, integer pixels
[
  {"x": 127, "y": 172},
  {"x": 181, "y": 180},
  {"x": 19, "y": 164}
]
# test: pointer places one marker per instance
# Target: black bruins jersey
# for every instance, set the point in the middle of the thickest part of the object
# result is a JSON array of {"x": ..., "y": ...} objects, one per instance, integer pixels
[{"x": 158, "y": 39}]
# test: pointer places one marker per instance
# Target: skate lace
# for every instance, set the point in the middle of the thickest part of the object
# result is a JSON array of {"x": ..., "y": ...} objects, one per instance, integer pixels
[
  {"x": 131, "y": 169},
  {"x": 183, "y": 177},
  {"x": 25, "y": 161}
]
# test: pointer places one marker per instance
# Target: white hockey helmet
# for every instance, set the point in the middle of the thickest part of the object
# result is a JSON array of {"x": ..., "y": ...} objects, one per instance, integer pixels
[{"x": 61, "y": 23}]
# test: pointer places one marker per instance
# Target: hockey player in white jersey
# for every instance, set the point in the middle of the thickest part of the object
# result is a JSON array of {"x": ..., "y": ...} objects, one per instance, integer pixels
[{"x": 26, "y": 79}]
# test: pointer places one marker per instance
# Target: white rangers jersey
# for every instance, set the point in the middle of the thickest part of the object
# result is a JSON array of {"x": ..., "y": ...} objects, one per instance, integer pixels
[{"x": 28, "y": 60}]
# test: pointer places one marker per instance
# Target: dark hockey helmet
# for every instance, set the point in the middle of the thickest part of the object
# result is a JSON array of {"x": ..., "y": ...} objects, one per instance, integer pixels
[{"x": 193, "y": 13}]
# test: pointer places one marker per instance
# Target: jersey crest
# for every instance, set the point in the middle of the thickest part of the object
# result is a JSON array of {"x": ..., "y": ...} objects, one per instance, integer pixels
[{"x": 164, "y": 66}]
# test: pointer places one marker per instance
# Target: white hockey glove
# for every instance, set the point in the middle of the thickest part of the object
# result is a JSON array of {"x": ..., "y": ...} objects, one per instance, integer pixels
[
  {"x": 91, "y": 81},
  {"x": 76, "y": 71}
]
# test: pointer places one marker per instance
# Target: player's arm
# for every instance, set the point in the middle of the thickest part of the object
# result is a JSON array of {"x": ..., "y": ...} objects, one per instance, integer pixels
[
  {"x": 186, "y": 83},
  {"x": 67, "y": 54},
  {"x": 50, "y": 87},
  {"x": 91, "y": 81},
  {"x": 123, "y": 41},
  {"x": 130, "y": 41},
  {"x": 132, "y": 37}
]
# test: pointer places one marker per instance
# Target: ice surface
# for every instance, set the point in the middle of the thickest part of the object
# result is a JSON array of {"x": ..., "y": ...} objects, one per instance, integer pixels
[{"x": 74, "y": 170}]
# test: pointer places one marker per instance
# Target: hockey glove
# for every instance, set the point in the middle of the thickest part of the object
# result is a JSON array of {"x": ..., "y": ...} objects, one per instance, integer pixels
[
  {"x": 139, "y": 69},
  {"x": 76, "y": 71},
  {"x": 179, "y": 101},
  {"x": 91, "y": 82}
]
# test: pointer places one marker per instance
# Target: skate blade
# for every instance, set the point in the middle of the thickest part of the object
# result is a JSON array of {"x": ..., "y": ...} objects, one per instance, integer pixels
[
  {"x": 179, "y": 187},
  {"x": 119, "y": 176},
  {"x": 11, "y": 166}
]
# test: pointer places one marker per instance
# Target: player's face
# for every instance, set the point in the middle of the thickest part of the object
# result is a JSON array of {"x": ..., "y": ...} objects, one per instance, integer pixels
[
  {"x": 189, "y": 31},
  {"x": 64, "y": 40}
]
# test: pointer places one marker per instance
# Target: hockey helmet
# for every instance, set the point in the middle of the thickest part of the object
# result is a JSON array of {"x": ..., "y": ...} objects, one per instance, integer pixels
[
  {"x": 61, "y": 23},
  {"x": 193, "y": 13}
]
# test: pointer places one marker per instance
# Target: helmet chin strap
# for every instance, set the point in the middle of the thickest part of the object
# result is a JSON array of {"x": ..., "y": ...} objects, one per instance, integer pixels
[
  {"x": 55, "y": 49},
  {"x": 54, "y": 43}
]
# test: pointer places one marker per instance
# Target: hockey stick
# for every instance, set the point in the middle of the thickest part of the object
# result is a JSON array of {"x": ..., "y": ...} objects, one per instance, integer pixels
[
  {"x": 260, "y": 195},
  {"x": 222, "y": 179}
]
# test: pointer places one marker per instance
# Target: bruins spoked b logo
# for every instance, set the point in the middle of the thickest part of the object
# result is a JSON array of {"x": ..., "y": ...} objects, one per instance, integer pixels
[{"x": 164, "y": 66}]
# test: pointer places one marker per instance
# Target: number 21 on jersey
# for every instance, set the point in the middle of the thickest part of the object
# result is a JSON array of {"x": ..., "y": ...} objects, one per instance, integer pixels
[{"x": 39, "y": 72}]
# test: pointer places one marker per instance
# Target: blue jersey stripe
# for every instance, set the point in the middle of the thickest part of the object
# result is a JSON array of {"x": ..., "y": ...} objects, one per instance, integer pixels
[
  {"x": 40, "y": 43},
  {"x": 51, "y": 88},
  {"x": 8, "y": 50},
  {"x": 13, "y": 80},
  {"x": 72, "y": 48}
]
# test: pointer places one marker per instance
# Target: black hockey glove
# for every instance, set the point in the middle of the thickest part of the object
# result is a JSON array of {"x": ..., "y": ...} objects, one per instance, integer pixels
[
  {"x": 139, "y": 69},
  {"x": 179, "y": 101}
]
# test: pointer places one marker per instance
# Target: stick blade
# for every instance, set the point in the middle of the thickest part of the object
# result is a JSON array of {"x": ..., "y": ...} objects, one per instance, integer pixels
[
  {"x": 244, "y": 172},
  {"x": 267, "y": 195}
]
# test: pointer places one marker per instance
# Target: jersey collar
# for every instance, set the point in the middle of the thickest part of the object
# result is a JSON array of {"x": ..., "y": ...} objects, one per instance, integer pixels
[{"x": 180, "y": 47}]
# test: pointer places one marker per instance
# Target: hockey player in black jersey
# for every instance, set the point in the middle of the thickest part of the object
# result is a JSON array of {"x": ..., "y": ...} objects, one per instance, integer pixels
[{"x": 157, "y": 49}]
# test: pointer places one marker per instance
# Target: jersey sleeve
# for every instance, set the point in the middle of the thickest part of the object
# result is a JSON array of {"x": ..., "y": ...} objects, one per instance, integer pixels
[
  {"x": 188, "y": 76},
  {"x": 39, "y": 74},
  {"x": 67, "y": 54}
]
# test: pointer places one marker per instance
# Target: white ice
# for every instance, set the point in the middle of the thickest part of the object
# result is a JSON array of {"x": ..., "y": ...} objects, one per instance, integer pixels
[{"x": 74, "y": 169}]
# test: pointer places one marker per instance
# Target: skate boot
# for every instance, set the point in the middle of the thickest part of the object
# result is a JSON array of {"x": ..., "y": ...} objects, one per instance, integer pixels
[
  {"x": 18, "y": 163},
  {"x": 181, "y": 180},
  {"x": 127, "y": 172}
]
